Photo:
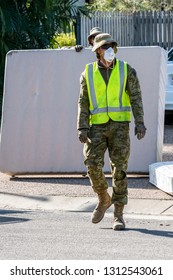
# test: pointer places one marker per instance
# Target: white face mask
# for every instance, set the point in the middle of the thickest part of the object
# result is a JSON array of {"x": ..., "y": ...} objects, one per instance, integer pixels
[{"x": 109, "y": 55}]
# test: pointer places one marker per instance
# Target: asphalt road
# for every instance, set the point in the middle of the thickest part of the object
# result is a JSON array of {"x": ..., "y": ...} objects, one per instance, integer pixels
[{"x": 65, "y": 235}]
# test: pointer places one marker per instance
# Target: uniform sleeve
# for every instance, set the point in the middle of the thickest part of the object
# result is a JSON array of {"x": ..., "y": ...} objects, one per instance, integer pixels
[
  {"x": 135, "y": 95},
  {"x": 83, "y": 105}
]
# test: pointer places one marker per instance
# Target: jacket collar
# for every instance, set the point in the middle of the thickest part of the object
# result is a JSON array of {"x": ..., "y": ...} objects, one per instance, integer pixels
[{"x": 101, "y": 65}]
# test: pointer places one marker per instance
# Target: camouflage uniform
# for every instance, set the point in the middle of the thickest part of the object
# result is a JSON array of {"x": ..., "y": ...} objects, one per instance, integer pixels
[{"x": 112, "y": 135}]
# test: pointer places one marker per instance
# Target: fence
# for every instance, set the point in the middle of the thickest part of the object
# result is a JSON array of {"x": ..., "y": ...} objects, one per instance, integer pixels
[{"x": 137, "y": 29}]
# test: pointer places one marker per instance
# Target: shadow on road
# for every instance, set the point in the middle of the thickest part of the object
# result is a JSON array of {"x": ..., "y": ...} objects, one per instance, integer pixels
[
  {"x": 161, "y": 233},
  {"x": 40, "y": 198},
  {"x": 10, "y": 220}
]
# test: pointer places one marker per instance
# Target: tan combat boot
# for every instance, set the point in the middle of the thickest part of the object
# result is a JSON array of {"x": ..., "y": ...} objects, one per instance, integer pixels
[
  {"x": 103, "y": 204},
  {"x": 118, "y": 223}
]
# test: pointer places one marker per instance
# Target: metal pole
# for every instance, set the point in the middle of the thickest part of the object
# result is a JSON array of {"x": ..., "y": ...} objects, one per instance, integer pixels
[{"x": 78, "y": 29}]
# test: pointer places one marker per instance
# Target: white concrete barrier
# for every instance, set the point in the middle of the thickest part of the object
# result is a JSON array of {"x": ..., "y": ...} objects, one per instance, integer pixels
[
  {"x": 161, "y": 175},
  {"x": 41, "y": 89}
]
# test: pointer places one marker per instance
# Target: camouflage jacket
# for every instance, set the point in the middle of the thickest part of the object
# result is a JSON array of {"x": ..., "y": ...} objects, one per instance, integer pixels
[{"x": 133, "y": 89}]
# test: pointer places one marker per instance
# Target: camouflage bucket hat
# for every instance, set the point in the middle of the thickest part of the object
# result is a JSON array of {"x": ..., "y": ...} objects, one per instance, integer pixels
[
  {"x": 103, "y": 39},
  {"x": 94, "y": 31}
]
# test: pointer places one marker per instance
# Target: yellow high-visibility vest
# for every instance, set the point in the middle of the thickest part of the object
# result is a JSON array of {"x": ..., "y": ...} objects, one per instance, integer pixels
[{"x": 111, "y": 101}]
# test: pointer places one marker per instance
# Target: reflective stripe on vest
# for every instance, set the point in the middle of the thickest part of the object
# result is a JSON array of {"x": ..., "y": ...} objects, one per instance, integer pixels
[{"x": 109, "y": 101}]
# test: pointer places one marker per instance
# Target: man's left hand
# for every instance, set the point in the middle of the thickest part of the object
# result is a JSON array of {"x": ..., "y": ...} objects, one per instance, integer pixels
[
  {"x": 140, "y": 131},
  {"x": 78, "y": 48}
]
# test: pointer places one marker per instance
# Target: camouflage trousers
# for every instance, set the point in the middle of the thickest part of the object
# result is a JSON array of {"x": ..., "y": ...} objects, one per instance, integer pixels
[{"x": 114, "y": 137}]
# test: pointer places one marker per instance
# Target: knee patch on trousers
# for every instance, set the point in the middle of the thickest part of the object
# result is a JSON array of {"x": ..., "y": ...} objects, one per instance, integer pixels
[{"x": 119, "y": 175}]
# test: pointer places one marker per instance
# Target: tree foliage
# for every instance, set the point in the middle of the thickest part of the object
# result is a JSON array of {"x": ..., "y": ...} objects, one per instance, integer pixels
[
  {"x": 30, "y": 24},
  {"x": 132, "y": 5}
]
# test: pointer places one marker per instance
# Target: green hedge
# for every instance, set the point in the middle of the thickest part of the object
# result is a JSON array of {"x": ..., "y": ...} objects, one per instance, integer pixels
[{"x": 63, "y": 39}]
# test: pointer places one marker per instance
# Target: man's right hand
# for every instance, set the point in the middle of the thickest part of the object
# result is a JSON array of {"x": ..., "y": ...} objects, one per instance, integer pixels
[{"x": 83, "y": 135}]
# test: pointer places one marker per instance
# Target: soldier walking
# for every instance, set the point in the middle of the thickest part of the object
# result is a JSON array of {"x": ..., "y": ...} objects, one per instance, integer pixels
[{"x": 109, "y": 91}]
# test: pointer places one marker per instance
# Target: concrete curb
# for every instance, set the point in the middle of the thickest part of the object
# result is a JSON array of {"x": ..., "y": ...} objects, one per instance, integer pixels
[{"x": 83, "y": 204}]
